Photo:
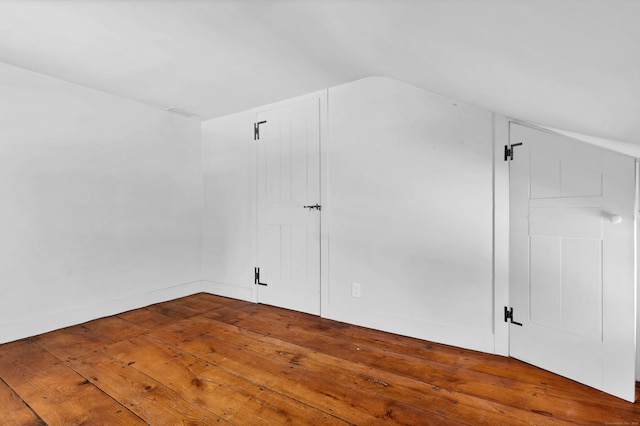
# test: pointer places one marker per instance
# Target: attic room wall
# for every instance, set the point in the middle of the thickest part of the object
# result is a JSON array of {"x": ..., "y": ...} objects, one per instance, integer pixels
[
  {"x": 101, "y": 204},
  {"x": 408, "y": 211}
]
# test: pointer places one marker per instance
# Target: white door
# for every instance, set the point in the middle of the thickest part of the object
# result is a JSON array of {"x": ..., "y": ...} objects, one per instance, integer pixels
[
  {"x": 288, "y": 154},
  {"x": 571, "y": 278}
]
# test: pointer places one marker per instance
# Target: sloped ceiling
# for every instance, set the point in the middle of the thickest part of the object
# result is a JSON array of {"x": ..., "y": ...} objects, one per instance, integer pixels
[{"x": 567, "y": 64}]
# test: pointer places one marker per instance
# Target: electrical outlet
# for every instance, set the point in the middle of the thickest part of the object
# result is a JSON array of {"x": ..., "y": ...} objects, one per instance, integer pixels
[{"x": 355, "y": 289}]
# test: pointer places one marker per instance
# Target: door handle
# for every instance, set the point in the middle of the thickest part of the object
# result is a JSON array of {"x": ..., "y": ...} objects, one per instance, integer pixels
[
  {"x": 315, "y": 206},
  {"x": 615, "y": 219}
]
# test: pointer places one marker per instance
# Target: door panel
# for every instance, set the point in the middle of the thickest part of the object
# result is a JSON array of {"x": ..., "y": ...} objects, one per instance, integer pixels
[
  {"x": 581, "y": 276},
  {"x": 566, "y": 222},
  {"x": 579, "y": 181},
  {"x": 572, "y": 281},
  {"x": 288, "y": 154},
  {"x": 546, "y": 289},
  {"x": 566, "y": 285}
]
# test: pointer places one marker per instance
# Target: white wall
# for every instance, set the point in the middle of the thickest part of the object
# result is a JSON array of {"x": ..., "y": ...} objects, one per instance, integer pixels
[
  {"x": 100, "y": 208},
  {"x": 407, "y": 211},
  {"x": 100, "y": 204}
]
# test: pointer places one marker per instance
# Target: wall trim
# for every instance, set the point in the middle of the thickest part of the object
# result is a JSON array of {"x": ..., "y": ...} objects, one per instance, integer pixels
[
  {"x": 229, "y": 290},
  {"x": 43, "y": 324},
  {"x": 424, "y": 330},
  {"x": 500, "y": 234}
]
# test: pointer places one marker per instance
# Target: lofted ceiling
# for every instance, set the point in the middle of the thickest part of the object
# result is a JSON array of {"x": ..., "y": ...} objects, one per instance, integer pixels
[{"x": 568, "y": 64}]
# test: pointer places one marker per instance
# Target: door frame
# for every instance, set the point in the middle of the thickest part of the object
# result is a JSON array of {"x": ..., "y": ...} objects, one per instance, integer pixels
[
  {"x": 500, "y": 233},
  {"x": 322, "y": 97},
  {"x": 501, "y": 183}
]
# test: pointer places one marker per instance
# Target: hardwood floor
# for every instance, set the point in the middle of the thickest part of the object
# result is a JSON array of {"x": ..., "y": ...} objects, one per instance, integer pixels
[{"x": 206, "y": 359}]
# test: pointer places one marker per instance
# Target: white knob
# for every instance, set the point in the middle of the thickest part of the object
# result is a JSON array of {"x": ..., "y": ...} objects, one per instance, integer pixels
[{"x": 615, "y": 219}]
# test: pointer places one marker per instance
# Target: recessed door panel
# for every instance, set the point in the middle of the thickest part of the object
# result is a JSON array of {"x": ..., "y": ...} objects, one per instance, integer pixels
[
  {"x": 581, "y": 278},
  {"x": 575, "y": 222},
  {"x": 546, "y": 280}
]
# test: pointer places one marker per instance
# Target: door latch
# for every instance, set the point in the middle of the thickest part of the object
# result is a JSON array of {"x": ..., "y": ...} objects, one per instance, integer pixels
[
  {"x": 315, "y": 206},
  {"x": 508, "y": 315}
]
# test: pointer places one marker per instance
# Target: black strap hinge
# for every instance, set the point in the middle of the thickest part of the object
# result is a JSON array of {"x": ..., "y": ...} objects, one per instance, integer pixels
[
  {"x": 256, "y": 277},
  {"x": 508, "y": 315},
  {"x": 256, "y": 130},
  {"x": 508, "y": 151}
]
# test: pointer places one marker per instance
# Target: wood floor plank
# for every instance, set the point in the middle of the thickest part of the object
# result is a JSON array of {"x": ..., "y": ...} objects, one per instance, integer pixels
[
  {"x": 58, "y": 394},
  {"x": 147, "y": 318},
  {"x": 148, "y": 399},
  {"x": 290, "y": 321},
  {"x": 554, "y": 403},
  {"x": 14, "y": 411},
  {"x": 419, "y": 393},
  {"x": 225, "y": 301},
  {"x": 200, "y": 302},
  {"x": 174, "y": 310},
  {"x": 115, "y": 328},
  {"x": 206, "y": 359},
  {"x": 276, "y": 375},
  {"x": 232, "y": 397},
  {"x": 356, "y": 399},
  {"x": 71, "y": 341}
]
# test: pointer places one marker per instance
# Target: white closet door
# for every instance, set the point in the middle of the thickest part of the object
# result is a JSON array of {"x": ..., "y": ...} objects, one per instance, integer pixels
[
  {"x": 288, "y": 153},
  {"x": 572, "y": 249}
]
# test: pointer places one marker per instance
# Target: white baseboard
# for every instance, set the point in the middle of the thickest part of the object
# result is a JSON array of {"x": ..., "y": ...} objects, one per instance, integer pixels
[
  {"x": 42, "y": 324},
  {"x": 227, "y": 290},
  {"x": 428, "y": 331},
  {"x": 438, "y": 333}
]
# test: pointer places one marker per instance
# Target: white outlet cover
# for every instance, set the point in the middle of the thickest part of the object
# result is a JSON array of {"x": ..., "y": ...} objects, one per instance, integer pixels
[{"x": 355, "y": 289}]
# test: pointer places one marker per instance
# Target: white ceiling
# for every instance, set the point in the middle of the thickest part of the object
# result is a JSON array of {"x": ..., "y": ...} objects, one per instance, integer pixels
[{"x": 567, "y": 64}]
